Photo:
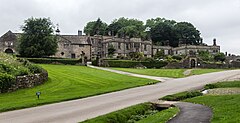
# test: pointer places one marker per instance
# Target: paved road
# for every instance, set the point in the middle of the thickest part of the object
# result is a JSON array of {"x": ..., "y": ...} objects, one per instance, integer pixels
[
  {"x": 82, "y": 109},
  {"x": 192, "y": 113},
  {"x": 162, "y": 79}
]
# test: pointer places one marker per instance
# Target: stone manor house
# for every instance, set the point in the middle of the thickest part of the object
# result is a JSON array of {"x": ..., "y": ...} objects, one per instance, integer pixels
[{"x": 77, "y": 46}]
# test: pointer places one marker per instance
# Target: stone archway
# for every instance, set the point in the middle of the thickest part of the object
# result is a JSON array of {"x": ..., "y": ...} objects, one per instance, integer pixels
[
  {"x": 9, "y": 51},
  {"x": 193, "y": 63}
]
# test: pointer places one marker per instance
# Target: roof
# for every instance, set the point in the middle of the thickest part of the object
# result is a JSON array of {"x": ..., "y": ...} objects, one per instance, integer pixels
[{"x": 75, "y": 39}]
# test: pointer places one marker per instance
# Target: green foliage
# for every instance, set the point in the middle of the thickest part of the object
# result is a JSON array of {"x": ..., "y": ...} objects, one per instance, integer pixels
[
  {"x": 10, "y": 68},
  {"x": 219, "y": 57},
  {"x": 37, "y": 39},
  {"x": 68, "y": 82},
  {"x": 54, "y": 61},
  {"x": 96, "y": 28},
  {"x": 205, "y": 56},
  {"x": 6, "y": 81},
  {"x": 179, "y": 58},
  {"x": 126, "y": 115},
  {"x": 136, "y": 56},
  {"x": 127, "y": 27},
  {"x": 188, "y": 33},
  {"x": 182, "y": 96},
  {"x": 159, "y": 54}
]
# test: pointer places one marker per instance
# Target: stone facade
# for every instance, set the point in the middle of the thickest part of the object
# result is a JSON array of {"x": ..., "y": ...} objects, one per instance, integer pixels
[
  {"x": 29, "y": 81},
  {"x": 73, "y": 46},
  {"x": 8, "y": 42},
  {"x": 185, "y": 49},
  {"x": 91, "y": 47}
]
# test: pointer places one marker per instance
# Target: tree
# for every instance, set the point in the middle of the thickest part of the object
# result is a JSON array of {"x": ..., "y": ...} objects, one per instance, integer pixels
[
  {"x": 96, "y": 28},
  {"x": 163, "y": 31},
  {"x": 37, "y": 39},
  {"x": 187, "y": 33},
  {"x": 219, "y": 57},
  {"x": 127, "y": 27}
]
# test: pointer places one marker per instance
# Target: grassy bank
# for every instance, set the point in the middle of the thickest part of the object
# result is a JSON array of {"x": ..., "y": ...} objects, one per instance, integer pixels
[
  {"x": 226, "y": 108},
  {"x": 141, "y": 113},
  {"x": 172, "y": 73},
  {"x": 68, "y": 82}
]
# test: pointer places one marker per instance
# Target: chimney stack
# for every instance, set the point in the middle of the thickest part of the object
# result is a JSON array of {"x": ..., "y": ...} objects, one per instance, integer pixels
[
  {"x": 214, "y": 42},
  {"x": 79, "y": 33}
]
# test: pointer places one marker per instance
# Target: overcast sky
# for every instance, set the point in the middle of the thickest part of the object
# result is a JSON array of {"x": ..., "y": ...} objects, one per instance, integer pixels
[{"x": 218, "y": 19}]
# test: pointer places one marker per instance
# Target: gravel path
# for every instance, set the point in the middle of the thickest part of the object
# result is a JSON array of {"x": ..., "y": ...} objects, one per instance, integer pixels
[
  {"x": 224, "y": 91},
  {"x": 192, "y": 113}
]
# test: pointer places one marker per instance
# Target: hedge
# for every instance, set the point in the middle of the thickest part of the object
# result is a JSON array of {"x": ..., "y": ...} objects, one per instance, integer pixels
[
  {"x": 55, "y": 61},
  {"x": 131, "y": 64}
]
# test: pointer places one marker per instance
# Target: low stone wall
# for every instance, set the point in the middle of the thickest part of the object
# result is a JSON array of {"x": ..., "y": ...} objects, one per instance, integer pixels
[{"x": 29, "y": 81}]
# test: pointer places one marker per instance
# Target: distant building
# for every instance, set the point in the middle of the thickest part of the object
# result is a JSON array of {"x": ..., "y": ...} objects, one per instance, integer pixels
[
  {"x": 186, "y": 49},
  {"x": 78, "y": 46}
]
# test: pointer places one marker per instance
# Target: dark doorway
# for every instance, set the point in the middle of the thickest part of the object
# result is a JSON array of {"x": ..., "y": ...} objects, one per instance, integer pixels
[
  {"x": 193, "y": 63},
  {"x": 9, "y": 51},
  {"x": 73, "y": 56}
]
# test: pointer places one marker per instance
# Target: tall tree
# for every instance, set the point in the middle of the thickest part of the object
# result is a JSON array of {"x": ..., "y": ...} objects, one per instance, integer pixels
[
  {"x": 187, "y": 33},
  {"x": 37, "y": 39},
  {"x": 96, "y": 28},
  {"x": 127, "y": 27}
]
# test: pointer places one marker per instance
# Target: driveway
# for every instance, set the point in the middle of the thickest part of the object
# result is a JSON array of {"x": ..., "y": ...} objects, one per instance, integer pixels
[{"x": 82, "y": 109}]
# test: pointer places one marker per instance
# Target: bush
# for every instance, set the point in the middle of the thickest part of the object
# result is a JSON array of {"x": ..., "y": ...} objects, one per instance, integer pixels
[
  {"x": 6, "y": 81},
  {"x": 182, "y": 96},
  {"x": 15, "y": 71},
  {"x": 34, "y": 68},
  {"x": 55, "y": 61}
]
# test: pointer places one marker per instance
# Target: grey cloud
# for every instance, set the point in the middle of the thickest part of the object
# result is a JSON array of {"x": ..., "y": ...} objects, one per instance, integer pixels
[{"x": 214, "y": 18}]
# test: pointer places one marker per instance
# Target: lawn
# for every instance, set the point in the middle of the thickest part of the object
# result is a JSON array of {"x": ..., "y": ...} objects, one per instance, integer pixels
[
  {"x": 175, "y": 73},
  {"x": 68, "y": 82},
  {"x": 172, "y": 73},
  {"x": 203, "y": 71},
  {"x": 226, "y": 108}
]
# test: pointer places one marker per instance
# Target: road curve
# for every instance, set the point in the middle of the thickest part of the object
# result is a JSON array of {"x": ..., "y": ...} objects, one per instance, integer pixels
[
  {"x": 192, "y": 113},
  {"x": 82, "y": 109}
]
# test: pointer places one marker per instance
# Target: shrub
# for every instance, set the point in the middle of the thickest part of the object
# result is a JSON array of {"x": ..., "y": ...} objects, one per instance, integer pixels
[
  {"x": 6, "y": 81},
  {"x": 34, "y": 68},
  {"x": 182, "y": 96}
]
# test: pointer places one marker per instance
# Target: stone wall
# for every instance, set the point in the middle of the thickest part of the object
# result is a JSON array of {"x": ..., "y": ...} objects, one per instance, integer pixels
[{"x": 29, "y": 81}]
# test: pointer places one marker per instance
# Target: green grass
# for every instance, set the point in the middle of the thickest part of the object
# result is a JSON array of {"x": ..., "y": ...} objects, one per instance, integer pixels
[
  {"x": 203, "y": 71},
  {"x": 232, "y": 84},
  {"x": 141, "y": 113},
  {"x": 68, "y": 82},
  {"x": 226, "y": 108},
  {"x": 175, "y": 73},
  {"x": 160, "y": 117},
  {"x": 172, "y": 73}
]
